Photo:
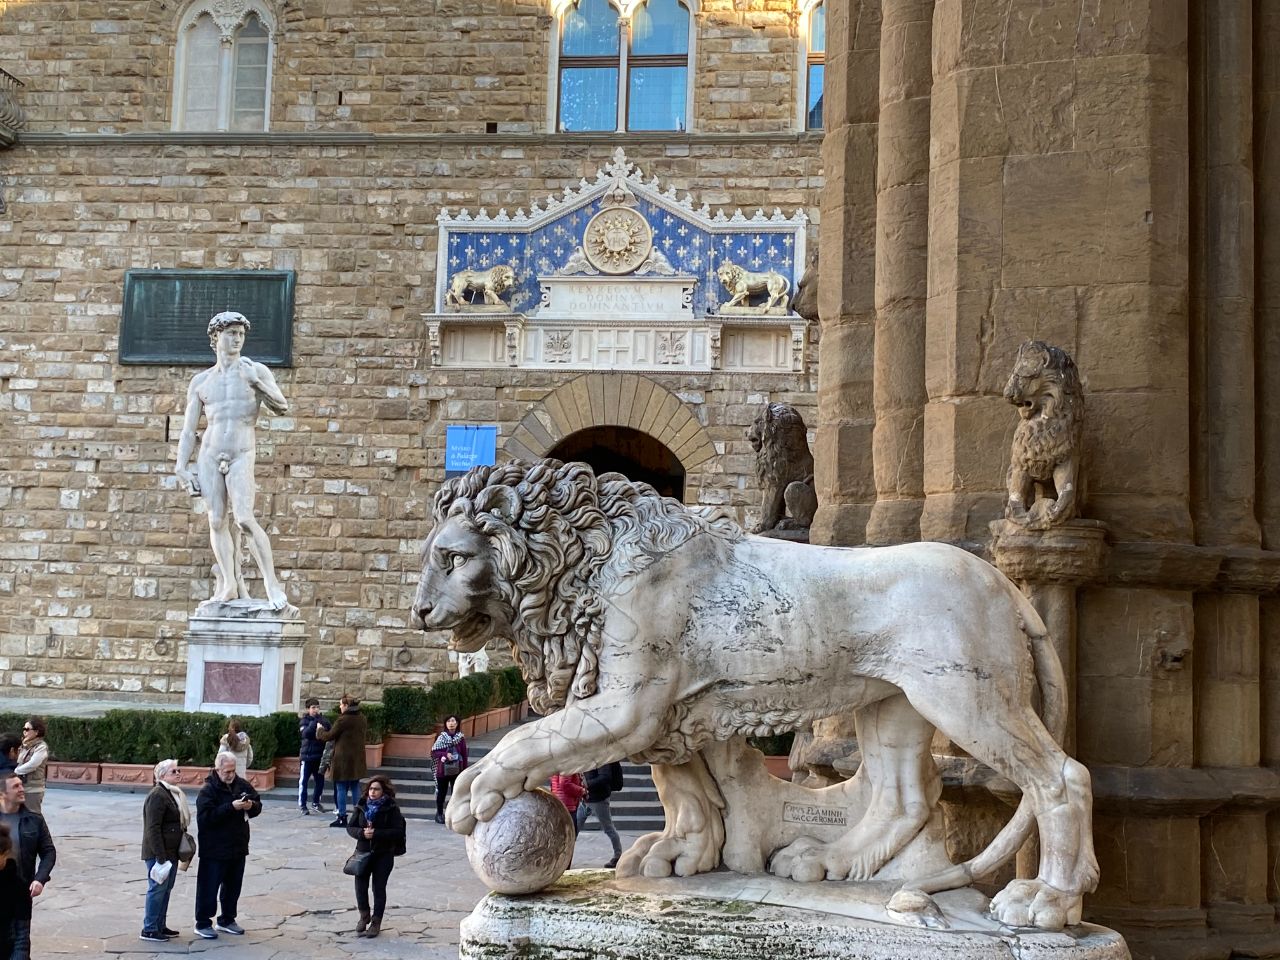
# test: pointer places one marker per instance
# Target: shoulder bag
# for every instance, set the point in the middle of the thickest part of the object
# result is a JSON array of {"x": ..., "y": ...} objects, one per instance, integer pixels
[
  {"x": 186, "y": 847},
  {"x": 357, "y": 864}
]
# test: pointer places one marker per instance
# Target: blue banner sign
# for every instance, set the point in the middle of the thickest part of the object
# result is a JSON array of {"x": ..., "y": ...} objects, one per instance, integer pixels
[{"x": 467, "y": 446}]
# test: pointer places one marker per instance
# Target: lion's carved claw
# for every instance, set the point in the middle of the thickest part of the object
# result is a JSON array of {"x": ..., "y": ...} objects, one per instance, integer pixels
[{"x": 1034, "y": 903}]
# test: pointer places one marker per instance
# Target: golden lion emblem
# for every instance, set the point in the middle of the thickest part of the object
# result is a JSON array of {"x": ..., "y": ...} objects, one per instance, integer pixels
[
  {"x": 742, "y": 284},
  {"x": 491, "y": 283}
]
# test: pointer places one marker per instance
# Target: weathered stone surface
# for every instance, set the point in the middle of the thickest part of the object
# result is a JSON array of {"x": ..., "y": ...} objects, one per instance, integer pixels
[{"x": 720, "y": 916}]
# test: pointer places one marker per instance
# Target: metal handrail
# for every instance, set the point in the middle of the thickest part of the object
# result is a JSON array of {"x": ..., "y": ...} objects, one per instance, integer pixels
[{"x": 11, "y": 114}]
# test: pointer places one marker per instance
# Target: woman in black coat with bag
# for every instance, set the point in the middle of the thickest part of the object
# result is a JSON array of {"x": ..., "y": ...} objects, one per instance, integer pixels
[{"x": 378, "y": 826}]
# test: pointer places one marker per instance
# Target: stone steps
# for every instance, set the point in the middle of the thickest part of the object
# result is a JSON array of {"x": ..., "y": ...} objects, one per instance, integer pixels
[{"x": 636, "y": 807}]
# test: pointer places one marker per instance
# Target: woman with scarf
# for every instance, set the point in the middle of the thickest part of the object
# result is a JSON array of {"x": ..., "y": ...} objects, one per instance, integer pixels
[
  {"x": 165, "y": 818},
  {"x": 33, "y": 757},
  {"x": 450, "y": 753},
  {"x": 378, "y": 827}
]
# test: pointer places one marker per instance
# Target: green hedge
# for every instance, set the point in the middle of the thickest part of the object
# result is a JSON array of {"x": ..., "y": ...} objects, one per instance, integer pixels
[
  {"x": 778, "y": 745},
  {"x": 419, "y": 709}
]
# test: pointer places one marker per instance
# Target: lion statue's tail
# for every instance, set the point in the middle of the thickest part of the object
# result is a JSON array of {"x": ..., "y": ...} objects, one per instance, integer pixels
[{"x": 1053, "y": 698}]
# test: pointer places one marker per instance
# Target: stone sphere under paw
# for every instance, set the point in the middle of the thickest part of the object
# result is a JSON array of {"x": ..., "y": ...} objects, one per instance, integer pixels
[{"x": 525, "y": 847}]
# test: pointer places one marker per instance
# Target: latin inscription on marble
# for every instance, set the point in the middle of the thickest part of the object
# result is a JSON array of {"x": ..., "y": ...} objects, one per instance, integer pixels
[
  {"x": 804, "y": 813},
  {"x": 665, "y": 298}
]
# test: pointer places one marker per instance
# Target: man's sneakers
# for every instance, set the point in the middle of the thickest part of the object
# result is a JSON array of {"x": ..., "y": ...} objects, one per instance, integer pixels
[
  {"x": 154, "y": 936},
  {"x": 339, "y": 822},
  {"x": 170, "y": 933},
  {"x": 231, "y": 927},
  {"x": 612, "y": 863},
  {"x": 306, "y": 812},
  {"x": 318, "y": 808},
  {"x": 439, "y": 818},
  {"x": 207, "y": 932}
]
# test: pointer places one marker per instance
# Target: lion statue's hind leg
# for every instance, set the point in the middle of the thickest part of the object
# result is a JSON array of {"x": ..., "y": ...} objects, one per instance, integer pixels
[
  {"x": 1005, "y": 733},
  {"x": 895, "y": 741},
  {"x": 694, "y": 835}
]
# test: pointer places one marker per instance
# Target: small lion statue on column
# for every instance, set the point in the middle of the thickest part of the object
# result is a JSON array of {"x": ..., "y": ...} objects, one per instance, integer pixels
[
  {"x": 784, "y": 467},
  {"x": 1044, "y": 480}
]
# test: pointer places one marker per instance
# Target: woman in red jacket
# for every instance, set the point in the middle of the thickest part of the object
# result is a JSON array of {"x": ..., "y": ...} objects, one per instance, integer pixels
[{"x": 569, "y": 789}]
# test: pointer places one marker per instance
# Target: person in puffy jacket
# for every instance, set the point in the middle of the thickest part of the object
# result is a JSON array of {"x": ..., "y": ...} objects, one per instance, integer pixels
[
  {"x": 310, "y": 754},
  {"x": 225, "y": 806},
  {"x": 569, "y": 789},
  {"x": 379, "y": 829},
  {"x": 450, "y": 753}
]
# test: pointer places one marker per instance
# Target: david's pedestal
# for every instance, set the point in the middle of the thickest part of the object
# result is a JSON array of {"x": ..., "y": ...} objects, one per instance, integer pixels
[
  {"x": 243, "y": 657},
  {"x": 730, "y": 916}
]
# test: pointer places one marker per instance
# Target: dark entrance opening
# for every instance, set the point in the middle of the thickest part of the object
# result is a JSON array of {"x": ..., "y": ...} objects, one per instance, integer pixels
[{"x": 635, "y": 455}]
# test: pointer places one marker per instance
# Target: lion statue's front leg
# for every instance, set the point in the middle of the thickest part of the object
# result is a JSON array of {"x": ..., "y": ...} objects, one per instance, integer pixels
[{"x": 694, "y": 835}]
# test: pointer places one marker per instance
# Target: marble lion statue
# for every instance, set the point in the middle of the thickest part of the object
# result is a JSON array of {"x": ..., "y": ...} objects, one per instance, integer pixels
[
  {"x": 742, "y": 283},
  {"x": 1044, "y": 465},
  {"x": 644, "y": 630},
  {"x": 490, "y": 283},
  {"x": 784, "y": 467}
]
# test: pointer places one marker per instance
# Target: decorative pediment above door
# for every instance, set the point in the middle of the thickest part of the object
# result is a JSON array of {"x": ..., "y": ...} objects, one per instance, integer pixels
[{"x": 619, "y": 274}]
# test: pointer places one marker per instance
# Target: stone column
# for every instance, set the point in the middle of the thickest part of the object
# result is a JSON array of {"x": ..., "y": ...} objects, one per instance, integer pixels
[
  {"x": 846, "y": 306},
  {"x": 1233, "y": 838},
  {"x": 1266, "y": 110},
  {"x": 902, "y": 267}
]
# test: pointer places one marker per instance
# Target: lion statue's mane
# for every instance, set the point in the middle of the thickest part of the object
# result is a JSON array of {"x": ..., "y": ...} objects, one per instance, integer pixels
[
  {"x": 571, "y": 536},
  {"x": 1045, "y": 386},
  {"x": 780, "y": 440}
]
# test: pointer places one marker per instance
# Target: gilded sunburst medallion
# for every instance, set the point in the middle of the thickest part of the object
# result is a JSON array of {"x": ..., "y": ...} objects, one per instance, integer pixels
[{"x": 617, "y": 240}]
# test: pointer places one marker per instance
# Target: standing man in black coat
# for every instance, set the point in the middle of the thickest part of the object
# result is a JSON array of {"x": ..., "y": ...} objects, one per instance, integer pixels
[
  {"x": 310, "y": 754},
  {"x": 223, "y": 810},
  {"x": 31, "y": 843}
]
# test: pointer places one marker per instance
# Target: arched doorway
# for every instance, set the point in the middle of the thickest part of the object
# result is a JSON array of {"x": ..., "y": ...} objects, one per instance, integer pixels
[{"x": 623, "y": 450}]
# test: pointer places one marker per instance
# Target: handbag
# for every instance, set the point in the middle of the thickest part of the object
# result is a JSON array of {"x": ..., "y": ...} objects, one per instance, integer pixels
[
  {"x": 450, "y": 768},
  {"x": 186, "y": 848},
  {"x": 357, "y": 864}
]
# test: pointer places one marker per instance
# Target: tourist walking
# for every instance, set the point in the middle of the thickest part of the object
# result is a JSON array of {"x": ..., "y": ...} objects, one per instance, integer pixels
[
  {"x": 310, "y": 755},
  {"x": 33, "y": 759},
  {"x": 450, "y": 753},
  {"x": 379, "y": 829},
  {"x": 225, "y": 806},
  {"x": 236, "y": 742},
  {"x": 602, "y": 783},
  {"x": 349, "y": 767},
  {"x": 165, "y": 818},
  {"x": 569, "y": 789},
  {"x": 35, "y": 854}
]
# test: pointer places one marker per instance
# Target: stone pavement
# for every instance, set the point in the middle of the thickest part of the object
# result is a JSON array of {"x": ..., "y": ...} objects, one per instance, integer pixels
[{"x": 296, "y": 901}]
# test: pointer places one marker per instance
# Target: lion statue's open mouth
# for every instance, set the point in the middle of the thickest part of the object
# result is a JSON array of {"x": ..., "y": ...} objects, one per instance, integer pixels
[{"x": 472, "y": 633}]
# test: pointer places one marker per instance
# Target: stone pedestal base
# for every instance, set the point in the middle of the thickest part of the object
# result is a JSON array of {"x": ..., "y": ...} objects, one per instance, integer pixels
[
  {"x": 243, "y": 657},
  {"x": 728, "y": 916}
]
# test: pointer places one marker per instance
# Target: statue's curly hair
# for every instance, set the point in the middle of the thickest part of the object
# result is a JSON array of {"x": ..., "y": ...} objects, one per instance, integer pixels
[{"x": 562, "y": 537}]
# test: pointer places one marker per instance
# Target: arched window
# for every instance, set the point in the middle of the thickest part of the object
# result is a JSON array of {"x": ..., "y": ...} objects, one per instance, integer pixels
[
  {"x": 222, "y": 70},
  {"x": 623, "y": 69},
  {"x": 815, "y": 65}
]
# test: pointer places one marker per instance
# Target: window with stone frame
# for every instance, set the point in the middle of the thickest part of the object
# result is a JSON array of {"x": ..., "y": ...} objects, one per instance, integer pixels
[
  {"x": 623, "y": 67},
  {"x": 222, "y": 67},
  {"x": 815, "y": 50}
]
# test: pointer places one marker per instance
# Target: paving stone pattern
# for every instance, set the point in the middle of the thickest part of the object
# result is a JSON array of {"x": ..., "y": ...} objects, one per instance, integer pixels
[{"x": 296, "y": 901}]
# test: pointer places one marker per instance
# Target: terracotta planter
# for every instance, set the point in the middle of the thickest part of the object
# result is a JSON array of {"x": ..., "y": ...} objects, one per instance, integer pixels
[
  {"x": 408, "y": 745},
  {"x": 468, "y": 727},
  {"x": 288, "y": 766},
  {"x": 65, "y": 771},
  {"x": 194, "y": 777},
  {"x": 262, "y": 779},
  {"x": 128, "y": 774},
  {"x": 780, "y": 767},
  {"x": 373, "y": 754}
]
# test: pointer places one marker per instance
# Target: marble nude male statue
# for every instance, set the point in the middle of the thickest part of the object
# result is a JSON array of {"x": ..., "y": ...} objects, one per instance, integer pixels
[{"x": 229, "y": 394}]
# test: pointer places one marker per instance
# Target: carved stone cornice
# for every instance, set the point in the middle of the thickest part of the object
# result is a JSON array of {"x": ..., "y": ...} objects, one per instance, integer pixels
[{"x": 1071, "y": 553}]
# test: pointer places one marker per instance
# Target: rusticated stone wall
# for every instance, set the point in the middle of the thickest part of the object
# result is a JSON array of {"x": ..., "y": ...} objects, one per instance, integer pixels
[
  {"x": 1103, "y": 178},
  {"x": 379, "y": 115}
]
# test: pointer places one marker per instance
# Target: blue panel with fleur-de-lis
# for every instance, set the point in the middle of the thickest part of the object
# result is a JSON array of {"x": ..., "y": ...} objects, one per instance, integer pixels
[{"x": 694, "y": 243}]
